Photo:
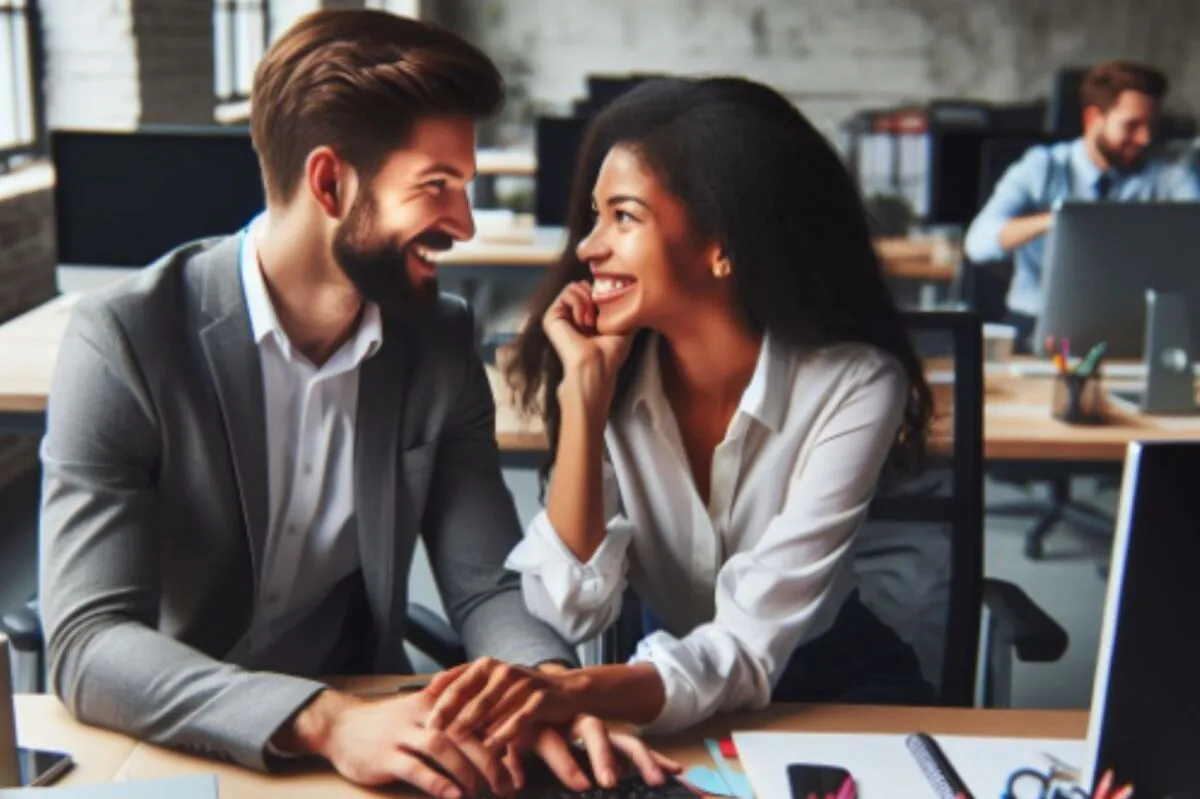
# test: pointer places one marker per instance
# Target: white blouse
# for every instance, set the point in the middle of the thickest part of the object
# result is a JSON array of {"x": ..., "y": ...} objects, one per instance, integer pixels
[{"x": 737, "y": 585}]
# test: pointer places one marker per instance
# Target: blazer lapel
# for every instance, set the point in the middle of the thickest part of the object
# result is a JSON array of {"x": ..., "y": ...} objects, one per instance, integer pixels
[
  {"x": 377, "y": 431},
  {"x": 234, "y": 363}
]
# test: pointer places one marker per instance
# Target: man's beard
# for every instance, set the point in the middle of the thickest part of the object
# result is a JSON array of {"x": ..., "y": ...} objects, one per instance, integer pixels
[
  {"x": 1117, "y": 157},
  {"x": 378, "y": 266}
]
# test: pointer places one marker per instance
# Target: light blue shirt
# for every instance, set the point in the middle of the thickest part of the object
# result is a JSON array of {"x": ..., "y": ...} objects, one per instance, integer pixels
[{"x": 1044, "y": 177}]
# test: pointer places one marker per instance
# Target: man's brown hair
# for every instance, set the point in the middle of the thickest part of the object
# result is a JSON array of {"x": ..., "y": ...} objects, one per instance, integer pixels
[
  {"x": 357, "y": 81},
  {"x": 1103, "y": 83}
]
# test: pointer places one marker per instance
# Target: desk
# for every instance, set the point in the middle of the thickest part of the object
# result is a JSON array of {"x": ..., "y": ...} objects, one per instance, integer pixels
[
  {"x": 925, "y": 261},
  {"x": 103, "y": 756},
  {"x": 28, "y": 348},
  {"x": 1017, "y": 423},
  {"x": 504, "y": 161}
]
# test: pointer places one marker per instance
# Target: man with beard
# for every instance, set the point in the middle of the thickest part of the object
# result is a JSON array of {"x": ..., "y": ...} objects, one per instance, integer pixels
[
  {"x": 1109, "y": 162},
  {"x": 245, "y": 439}
]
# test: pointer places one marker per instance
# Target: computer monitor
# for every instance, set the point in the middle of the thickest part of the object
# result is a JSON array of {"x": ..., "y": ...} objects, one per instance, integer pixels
[
  {"x": 558, "y": 142},
  {"x": 122, "y": 199},
  {"x": 1145, "y": 714},
  {"x": 1100, "y": 260}
]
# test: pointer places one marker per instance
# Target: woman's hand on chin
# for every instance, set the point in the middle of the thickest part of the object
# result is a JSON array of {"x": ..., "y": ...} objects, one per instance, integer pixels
[{"x": 590, "y": 358}]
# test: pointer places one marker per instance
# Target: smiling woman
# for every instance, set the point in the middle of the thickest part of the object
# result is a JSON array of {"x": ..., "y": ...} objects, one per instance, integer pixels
[{"x": 725, "y": 377}]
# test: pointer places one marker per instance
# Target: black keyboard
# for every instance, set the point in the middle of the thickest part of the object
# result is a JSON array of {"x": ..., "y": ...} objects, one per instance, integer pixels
[
  {"x": 540, "y": 783},
  {"x": 634, "y": 788}
]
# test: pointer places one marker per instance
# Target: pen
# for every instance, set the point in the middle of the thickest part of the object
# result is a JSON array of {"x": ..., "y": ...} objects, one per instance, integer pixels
[
  {"x": 1066, "y": 348},
  {"x": 945, "y": 781},
  {"x": 847, "y": 789},
  {"x": 1092, "y": 361}
]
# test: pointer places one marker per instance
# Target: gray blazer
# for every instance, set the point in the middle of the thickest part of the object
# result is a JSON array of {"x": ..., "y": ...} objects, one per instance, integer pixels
[{"x": 155, "y": 505}]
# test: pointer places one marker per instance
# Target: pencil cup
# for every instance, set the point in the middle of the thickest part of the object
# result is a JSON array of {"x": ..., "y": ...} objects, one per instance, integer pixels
[{"x": 1078, "y": 399}]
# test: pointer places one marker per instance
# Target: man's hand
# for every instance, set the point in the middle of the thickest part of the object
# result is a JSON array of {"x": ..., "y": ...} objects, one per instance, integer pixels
[
  {"x": 377, "y": 742},
  {"x": 1022, "y": 230},
  {"x": 603, "y": 745}
]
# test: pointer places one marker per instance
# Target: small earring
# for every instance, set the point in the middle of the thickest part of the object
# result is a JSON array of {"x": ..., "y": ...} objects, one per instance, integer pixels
[{"x": 721, "y": 269}]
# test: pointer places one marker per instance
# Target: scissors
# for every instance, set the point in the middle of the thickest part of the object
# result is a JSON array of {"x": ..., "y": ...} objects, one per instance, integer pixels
[{"x": 1029, "y": 783}]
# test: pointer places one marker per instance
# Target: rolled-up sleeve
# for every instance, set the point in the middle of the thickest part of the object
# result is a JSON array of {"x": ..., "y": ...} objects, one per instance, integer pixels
[
  {"x": 1012, "y": 198},
  {"x": 769, "y": 598},
  {"x": 579, "y": 600}
]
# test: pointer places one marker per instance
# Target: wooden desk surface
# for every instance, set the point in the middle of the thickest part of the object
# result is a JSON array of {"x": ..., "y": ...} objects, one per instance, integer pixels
[
  {"x": 103, "y": 756},
  {"x": 505, "y": 161},
  {"x": 1017, "y": 421},
  {"x": 28, "y": 349},
  {"x": 926, "y": 261}
]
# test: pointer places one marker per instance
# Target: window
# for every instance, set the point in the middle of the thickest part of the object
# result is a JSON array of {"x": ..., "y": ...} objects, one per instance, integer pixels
[
  {"x": 240, "y": 29},
  {"x": 20, "y": 96}
]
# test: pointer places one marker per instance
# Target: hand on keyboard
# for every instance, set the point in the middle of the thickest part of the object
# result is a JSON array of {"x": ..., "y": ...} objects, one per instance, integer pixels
[{"x": 540, "y": 783}]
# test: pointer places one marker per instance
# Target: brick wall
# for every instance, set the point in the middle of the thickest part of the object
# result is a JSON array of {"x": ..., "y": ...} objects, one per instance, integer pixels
[
  {"x": 174, "y": 43},
  {"x": 832, "y": 57},
  {"x": 26, "y": 274}
]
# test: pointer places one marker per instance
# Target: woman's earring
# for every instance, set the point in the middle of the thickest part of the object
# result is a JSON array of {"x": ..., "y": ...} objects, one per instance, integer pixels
[{"x": 721, "y": 268}]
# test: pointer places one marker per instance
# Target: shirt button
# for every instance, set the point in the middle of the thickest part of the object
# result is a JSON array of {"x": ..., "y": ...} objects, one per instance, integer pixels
[
  {"x": 272, "y": 599},
  {"x": 292, "y": 529},
  {"x": 307, "y": 469}
]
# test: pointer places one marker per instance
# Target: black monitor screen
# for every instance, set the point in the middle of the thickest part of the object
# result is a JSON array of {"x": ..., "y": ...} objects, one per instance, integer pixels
[
  {"x": 126, "y": 198},
  {"x": 558, "y": 143}
]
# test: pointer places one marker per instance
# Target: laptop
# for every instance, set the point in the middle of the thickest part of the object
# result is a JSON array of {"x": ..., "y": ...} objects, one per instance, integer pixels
[
  {"x": 20, "y": 767},
  {"x": 1145, "y": 716}
]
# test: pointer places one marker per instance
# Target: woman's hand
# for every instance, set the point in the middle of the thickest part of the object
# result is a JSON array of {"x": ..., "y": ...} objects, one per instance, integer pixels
[
  {"x": 1106, "y": 789},
  {"x": 501, "y": 701},
  {"x": 591, "y": 357},
  {"x": 515, "y": 708}
]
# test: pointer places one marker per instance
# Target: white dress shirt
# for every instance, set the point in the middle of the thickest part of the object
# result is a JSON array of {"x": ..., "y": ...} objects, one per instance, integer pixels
[
  {"x": 767, "y": 565},
  {"x": 311, "y": 540}
]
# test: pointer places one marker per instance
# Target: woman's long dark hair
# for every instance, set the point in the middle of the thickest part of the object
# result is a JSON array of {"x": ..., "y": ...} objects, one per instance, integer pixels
[{"x": 756, "y": 176}]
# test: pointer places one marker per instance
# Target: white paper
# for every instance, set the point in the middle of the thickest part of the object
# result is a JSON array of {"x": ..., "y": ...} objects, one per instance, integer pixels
[
  {"x": 884, "y": 768},
  {"x": 197, "y": 786}
]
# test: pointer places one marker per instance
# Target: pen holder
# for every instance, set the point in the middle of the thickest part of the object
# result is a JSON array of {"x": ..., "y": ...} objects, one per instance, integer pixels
[{"x": 1078, "y": 399}]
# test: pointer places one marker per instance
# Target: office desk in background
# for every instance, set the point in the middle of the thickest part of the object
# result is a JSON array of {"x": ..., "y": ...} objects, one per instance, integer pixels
[
  {"x": 922, "y": 260},
  {"x": 1017, "y": 422},
  {"x": 107, "y": 757}
]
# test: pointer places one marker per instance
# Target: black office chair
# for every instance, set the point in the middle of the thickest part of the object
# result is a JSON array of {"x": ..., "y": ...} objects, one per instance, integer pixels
[
  {"x": 920, "y": 554},
  {"x": 426, "y": 631},
  {"x": 984, "y": 289}
]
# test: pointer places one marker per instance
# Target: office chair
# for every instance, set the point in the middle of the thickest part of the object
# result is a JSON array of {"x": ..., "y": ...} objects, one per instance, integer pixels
[
  {"x": 23, "y": 625},
  {"x": 984, "y": 289},
  {"x": 920, "y": 554}
]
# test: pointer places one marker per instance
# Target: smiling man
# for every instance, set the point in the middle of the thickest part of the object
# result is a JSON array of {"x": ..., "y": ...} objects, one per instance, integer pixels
[
  {"x": 1111, "y": 162},
  {"x": 245, "y": 440}
]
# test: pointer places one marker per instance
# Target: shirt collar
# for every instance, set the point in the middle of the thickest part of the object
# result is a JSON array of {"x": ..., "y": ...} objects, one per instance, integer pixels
[
  {"x": 264, "y": 322},
  {"x": 764, "y": 399},
  {"x": 1083, "y": 165}
]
